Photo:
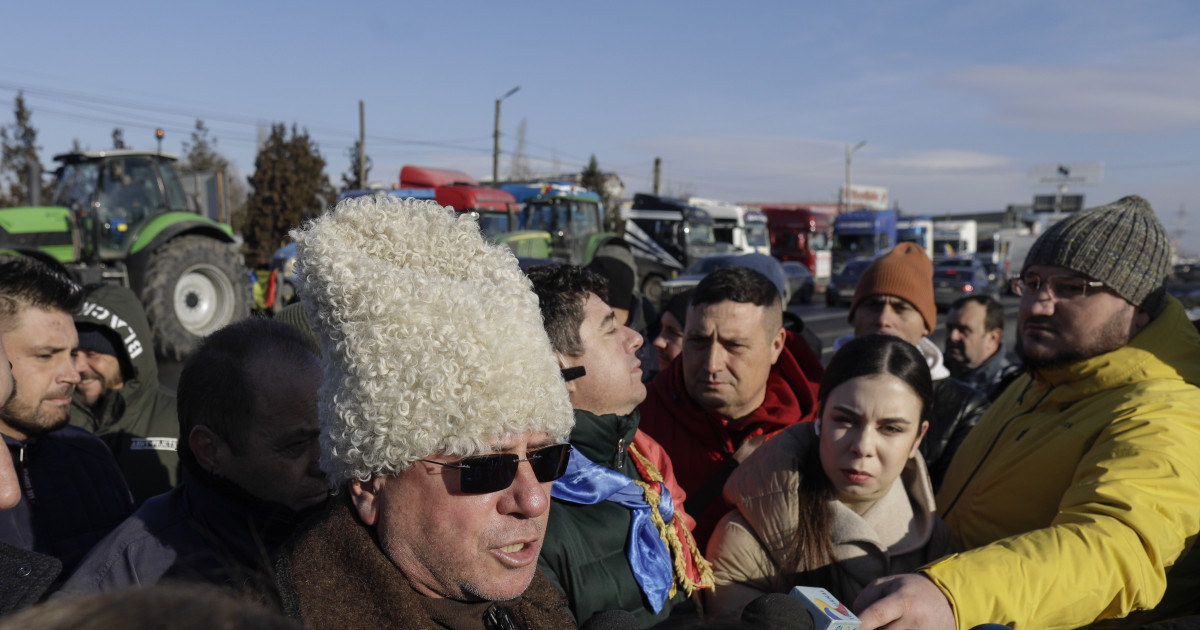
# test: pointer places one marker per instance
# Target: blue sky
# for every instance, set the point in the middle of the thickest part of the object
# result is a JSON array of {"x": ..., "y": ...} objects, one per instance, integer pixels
[{"x": 742, "y": 101}]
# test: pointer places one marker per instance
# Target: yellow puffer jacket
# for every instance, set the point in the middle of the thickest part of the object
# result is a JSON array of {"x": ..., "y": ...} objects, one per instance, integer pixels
[{"x": 1077, "y": 496}]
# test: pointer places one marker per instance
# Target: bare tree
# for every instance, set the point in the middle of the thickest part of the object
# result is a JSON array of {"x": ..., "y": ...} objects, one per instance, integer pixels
[{"x": 519, "y": 166}]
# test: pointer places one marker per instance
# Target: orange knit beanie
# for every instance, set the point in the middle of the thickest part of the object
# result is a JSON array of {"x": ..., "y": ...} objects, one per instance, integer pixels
[{"x": 905, "y": 272}]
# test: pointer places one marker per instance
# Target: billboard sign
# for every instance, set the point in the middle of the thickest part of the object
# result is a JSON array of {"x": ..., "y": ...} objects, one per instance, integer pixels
[
  {"x": 873, "y": 197},
  {"x": 1066, "y": 174}
]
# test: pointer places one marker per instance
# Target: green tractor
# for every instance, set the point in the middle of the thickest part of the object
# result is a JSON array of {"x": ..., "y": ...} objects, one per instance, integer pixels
[{"x": 122, "y": 216}]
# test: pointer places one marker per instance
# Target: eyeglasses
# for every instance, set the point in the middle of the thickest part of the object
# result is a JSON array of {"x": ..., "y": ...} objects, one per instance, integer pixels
[
  {"x": 492, "y": 473},
  {"x": 1061, "y": 287}
]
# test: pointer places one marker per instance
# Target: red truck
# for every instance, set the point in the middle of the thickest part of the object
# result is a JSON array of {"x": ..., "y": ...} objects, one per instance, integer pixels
[{"x": 802, "y": 232}]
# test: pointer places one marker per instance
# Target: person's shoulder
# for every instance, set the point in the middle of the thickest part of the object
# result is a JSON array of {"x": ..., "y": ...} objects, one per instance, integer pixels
[
  {"x": 773, "y": 468},
  {"x": 78, "y": 442}
]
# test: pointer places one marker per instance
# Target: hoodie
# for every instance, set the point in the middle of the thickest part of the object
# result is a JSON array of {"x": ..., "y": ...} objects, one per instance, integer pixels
[{"x": 137, "y": 421}]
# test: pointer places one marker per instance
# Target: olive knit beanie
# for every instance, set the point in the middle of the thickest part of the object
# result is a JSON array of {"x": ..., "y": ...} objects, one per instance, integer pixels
[
  {"x": 1121, "y": 244},
  {"x": 905, "y": 272}
]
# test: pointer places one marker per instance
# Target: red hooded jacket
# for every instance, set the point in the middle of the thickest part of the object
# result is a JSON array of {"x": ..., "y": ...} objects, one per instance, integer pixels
[{"x": 700, "y": 443}]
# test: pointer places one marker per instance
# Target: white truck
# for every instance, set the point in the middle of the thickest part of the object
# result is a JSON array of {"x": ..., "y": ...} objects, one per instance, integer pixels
[
  {"x": 742, "y": 229},
  {"x": 955, "y": 238}
]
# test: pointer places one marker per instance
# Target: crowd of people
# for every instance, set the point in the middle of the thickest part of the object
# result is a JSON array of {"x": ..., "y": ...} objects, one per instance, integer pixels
[{"x": 435, "y": 438}]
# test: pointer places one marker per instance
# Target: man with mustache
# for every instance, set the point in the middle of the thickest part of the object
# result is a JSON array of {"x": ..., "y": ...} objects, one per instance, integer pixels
[
  {"x": 974, "y": 351},
  {"x": 1076, "y": 498},
  {"x": 601, "y": 526},
  {"x": 72, "y": 493}
]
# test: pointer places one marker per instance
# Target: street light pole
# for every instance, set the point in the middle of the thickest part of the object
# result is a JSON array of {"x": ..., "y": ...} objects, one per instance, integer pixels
[
  {"x": 496, "y": 139},
  {"x": 846, "y": 192}
]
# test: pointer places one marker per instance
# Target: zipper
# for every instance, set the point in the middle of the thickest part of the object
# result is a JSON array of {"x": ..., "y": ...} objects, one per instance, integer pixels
[
  {"x": 620, "y": 454},
  {"x": 26, "y": 481}
]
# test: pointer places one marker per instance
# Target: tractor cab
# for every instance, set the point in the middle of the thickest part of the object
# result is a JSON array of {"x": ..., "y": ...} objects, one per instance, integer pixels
[{"x": 114, "y": 193}]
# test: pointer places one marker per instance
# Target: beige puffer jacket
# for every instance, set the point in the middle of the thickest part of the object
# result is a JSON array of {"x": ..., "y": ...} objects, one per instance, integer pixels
[{"x": 898, "y": 534}]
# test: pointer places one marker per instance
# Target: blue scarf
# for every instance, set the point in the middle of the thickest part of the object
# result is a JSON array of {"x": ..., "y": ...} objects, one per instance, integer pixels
[{"x": 588, "y": 483}]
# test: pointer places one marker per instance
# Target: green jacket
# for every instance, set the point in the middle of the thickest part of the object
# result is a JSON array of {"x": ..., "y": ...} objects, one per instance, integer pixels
[
  {"x": 584, "y": 551},
  {"x": 137, "y": 422}
]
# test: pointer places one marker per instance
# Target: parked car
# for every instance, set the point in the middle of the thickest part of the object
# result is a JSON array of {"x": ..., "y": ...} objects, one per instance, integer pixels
[
  {"x": 960, "y": 278},
  {"x": 840, "y": 290},
  {"x": 694, "y": 273},
  {"x": 800, "y": 281}
]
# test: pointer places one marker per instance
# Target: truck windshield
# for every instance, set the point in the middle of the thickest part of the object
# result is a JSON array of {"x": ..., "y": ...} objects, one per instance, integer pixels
[
  {"x": 819, "y": 241},
  {"x": 855, "y": 244},
  {"x": 756, "y": 234},
  {"x": 700, "y": 233}
]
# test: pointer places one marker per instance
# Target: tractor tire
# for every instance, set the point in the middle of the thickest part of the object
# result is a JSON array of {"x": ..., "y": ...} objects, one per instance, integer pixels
[
  {"x": 194, "y": 286},
  {"x": 652, "y": 289}
]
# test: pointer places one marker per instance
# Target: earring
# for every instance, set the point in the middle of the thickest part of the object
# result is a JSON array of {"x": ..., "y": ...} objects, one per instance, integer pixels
[{"x": 817, "y": 427}]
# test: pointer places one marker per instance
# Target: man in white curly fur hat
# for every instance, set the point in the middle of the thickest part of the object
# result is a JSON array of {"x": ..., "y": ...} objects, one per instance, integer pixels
[{"x": 444, "y": 420}]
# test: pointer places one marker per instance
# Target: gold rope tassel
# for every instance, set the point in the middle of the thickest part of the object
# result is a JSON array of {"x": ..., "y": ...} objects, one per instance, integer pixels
[{"x": 669, "y": 536}]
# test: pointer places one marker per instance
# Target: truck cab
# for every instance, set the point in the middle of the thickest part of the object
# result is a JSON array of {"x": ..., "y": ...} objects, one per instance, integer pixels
[
  {"x": 665, "y": 236},
  {"x": 863, "y": 232}
]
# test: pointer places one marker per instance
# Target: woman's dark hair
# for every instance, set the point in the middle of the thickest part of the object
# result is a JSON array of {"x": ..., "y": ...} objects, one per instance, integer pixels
[{"x": 869, "y": 355}]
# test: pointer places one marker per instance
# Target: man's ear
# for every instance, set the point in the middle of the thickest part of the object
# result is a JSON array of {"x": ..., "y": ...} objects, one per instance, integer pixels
[
  {"x": 207, "y": 447},
  {"x": 777, "y": 344},
  {"x": 365, "y": 496}
]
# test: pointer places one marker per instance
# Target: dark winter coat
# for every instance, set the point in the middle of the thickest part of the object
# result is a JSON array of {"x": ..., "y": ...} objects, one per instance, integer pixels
[
  {"x": 138, "y": 422},
  {"x": 334, "y": 575},
  {"x": 584, "y": 554},
  {"x": 24, "y": 577},
  {"x": 991, "y": 376},
  {"x": 72, "y": 495},
  {"x": 204, "y": 530}
]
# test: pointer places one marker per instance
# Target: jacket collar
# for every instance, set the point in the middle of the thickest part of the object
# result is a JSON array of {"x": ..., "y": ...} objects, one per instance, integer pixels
[{"x": 604, "y": 438}]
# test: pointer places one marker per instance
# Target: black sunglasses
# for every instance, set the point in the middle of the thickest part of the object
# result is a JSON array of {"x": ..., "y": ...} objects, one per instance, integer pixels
[{"x": 493, "y": 473}]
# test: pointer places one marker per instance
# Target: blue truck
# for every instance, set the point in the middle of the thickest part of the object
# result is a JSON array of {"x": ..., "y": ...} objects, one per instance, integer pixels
[{"x": 863, "y": 232}]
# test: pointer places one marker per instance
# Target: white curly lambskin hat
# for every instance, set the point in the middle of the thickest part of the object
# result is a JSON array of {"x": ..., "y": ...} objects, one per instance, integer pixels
[{"x": 432, "y": 338}]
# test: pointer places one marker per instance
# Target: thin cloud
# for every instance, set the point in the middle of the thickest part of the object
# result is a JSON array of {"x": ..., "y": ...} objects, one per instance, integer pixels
[{"x": 1152, "y": 98}]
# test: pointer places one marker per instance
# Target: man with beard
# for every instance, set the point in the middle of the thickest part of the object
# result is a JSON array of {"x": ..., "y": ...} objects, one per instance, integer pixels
[
  {"x": 248, "y": 409},
  {"x": 118, "y": 398},
  {"x": 73, "y": 494},
  {"x": 1077, "y": 496}
]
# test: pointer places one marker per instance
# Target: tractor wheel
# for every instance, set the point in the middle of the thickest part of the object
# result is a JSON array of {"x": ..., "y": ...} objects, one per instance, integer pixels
[
  {"x": 194, "y": 286},
  {"x": 652, "y": 290}
]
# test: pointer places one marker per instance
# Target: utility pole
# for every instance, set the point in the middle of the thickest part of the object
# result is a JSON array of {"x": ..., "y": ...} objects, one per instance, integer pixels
[
  {"x": 846, "y": 192},
  {"x": 657, "y": 176},
  {"x": 496, "y": 139},
  {"x": 362, "y": 145}
]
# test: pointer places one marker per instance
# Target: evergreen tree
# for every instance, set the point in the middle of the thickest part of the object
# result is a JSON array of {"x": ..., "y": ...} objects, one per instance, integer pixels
[
  {"x": 201, "y": 153},
  {"x": 288, "y": 186},
  {"x": 595, "y": 180},
  {"x": 19, "y": 157},
  {"x": 350, "y": 179}
]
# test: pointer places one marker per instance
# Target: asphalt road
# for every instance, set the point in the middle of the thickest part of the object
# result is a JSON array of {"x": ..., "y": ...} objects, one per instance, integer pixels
[{"x": 829, "y": 323}]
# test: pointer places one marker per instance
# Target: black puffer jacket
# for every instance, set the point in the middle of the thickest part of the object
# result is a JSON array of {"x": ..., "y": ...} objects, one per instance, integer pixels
[{"x": 956, "y": 408}]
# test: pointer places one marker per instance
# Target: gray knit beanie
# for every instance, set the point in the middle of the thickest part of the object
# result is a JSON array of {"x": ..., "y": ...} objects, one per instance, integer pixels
[{"x": 1122, "y": 245}]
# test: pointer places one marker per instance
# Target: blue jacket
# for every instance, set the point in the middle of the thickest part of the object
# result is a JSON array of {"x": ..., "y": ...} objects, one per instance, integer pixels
[
  {"x": 72, "y": 495},
  {"x": 204, "y": 530}
]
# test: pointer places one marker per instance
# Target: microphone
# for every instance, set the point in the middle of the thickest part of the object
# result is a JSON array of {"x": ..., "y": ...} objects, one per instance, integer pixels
[
  {"x": 827, "y": 612},
  {"x": 612, "y": 620},
  {"x": 776, "y": 611}
]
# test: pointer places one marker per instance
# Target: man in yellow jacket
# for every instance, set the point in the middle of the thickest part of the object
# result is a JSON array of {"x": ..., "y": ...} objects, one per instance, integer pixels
[{"x": 1076, "y": 498}]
